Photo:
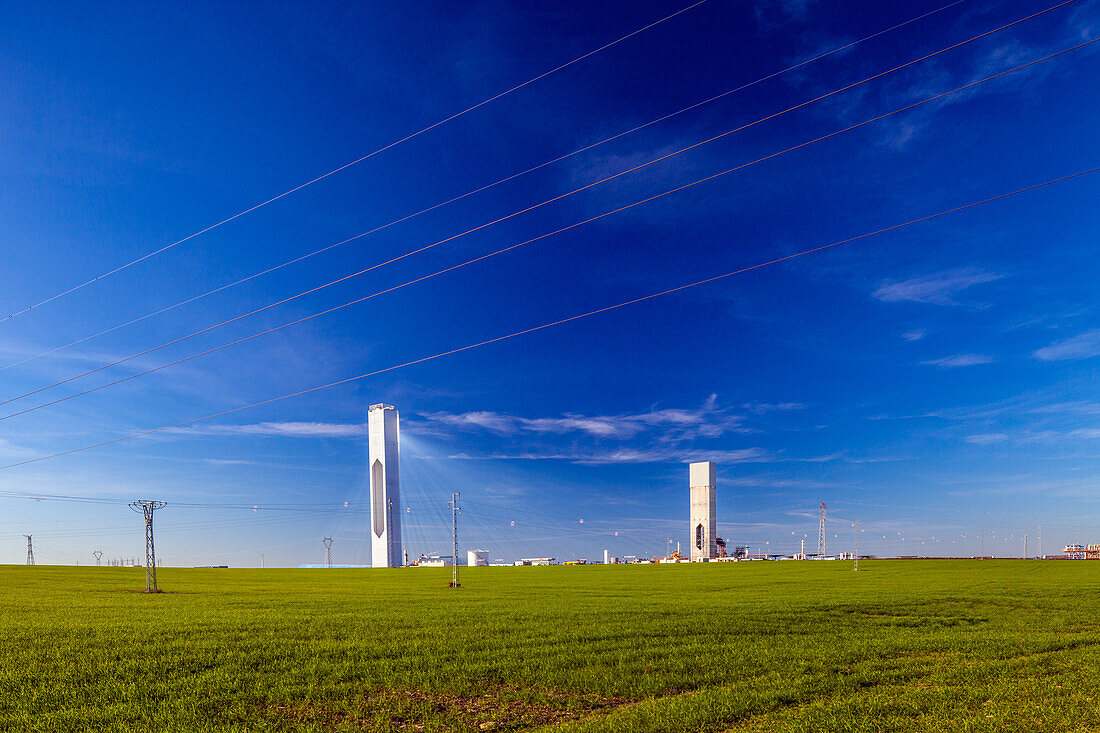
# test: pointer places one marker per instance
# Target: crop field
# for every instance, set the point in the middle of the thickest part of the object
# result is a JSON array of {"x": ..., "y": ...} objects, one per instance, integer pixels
[{"x": 929, "y": 645}]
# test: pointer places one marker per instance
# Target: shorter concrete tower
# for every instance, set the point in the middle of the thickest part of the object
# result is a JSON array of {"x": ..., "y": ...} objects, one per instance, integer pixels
[
  {"x": 385, "y": 486},
  {"x": 704, "y": 512}
]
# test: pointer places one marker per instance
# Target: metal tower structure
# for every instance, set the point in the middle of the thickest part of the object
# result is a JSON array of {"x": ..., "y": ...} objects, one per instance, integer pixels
[
  {"x": 328, "y": 551},
  {"x": 98, "y": 554},
  {"x": 855, "y": 548},
  {"x": 146, "y": 508},
  {"x": 822, "y": 540},
  {"x": 30, "y": 550},
  {"x": 454, "y": 536}
]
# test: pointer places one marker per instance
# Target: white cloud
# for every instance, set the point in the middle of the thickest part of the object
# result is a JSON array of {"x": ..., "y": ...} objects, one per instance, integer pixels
[
  {"x": 959, "y": 360},
  {"x": 1082, "y": 346},
  {"x": 660, "y": 454},
  {"x": 915, "y": 335},
  {"x": 9, "y": 450},
  {"x": 283, "y": 430},
  {"x": 761, "y": 408},
  {"x": 986, "y": 438},
  {"x": 707, "y": 421},
  {"x": 936, "y": 289}
]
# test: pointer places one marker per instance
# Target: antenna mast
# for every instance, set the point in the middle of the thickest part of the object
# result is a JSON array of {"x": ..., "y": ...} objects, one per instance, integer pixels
[
  {"x": 30, "y": 550},
  {"x": 822, "y": 540},
  {"x": 146, "y": 508}
]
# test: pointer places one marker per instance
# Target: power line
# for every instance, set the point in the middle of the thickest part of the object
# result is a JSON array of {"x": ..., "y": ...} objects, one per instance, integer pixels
[
  {"x": 562, "y": 321},
  {"x": 586, "y": 187},
  {"x": 499, "y": 251},
  {"x": 479, "y": 189},
  {"x": 395, "y": 143}
]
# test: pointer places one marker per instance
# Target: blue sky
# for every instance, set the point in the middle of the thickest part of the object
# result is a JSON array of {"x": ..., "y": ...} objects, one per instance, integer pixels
[{"x": 927, "y": 382}]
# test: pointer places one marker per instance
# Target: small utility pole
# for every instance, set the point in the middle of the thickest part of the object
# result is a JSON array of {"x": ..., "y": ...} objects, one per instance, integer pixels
[
  {"x": 328, "y": 551},
  {"x": 1040, "y": 542},
  {"x": 147, "y": 508},
  {"x": 454, "y": 536},
  {"x": 261, "y": 561},
  {"x": 98, "y": 554},
  {"x": 1025, "y": 546},
  {"x": 30, "y": 550},
  {"x": 981, "y": 542}
]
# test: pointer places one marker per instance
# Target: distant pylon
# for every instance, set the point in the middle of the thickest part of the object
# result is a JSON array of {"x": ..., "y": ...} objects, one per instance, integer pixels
[
  {"x": 98, "y": 554},
  {"x": 855, "y": 549},
  {"x": 30, "y": 550},
  {"x": 328, "y": 551},
  {"x": 822, "y": 540},
  {"x": 146, "y": 508}
]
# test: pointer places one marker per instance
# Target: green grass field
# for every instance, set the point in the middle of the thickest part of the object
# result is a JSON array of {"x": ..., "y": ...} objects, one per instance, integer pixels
[{"x": 951, "y": 645}]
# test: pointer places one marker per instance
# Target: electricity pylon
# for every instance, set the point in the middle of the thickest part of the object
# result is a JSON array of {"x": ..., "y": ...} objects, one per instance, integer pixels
[
  {"x": 98, "y": 554},
  {"x": 855, "y": 548},
  {"x": 146, "y": 508},
  {"x": 454, "y": 536},
  {"x": 328, "y": 551},
  {"x": 822, "y": 540},
  {"x": 30, "y": 550}
]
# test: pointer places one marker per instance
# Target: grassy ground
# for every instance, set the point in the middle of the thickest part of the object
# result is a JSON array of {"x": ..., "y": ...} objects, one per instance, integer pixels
[{"x": 951, "y": 645}]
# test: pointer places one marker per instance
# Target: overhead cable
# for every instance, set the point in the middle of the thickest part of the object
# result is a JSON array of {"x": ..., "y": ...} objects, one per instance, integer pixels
[
  {"x": 561, "y": 321},
  {"x": 345, "y": 166},
  {"x": 487, "y": 186},
  {"x": 509, "y": 248},
  {"x": 538, "y": 205}
]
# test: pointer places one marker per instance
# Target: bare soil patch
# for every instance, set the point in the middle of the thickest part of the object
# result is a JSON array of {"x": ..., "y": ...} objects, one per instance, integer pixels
[{"x": 498, "y": 708}]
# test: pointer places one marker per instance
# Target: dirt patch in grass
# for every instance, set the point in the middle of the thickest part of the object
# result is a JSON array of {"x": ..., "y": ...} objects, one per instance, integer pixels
[{"x": 498, "y": 708}]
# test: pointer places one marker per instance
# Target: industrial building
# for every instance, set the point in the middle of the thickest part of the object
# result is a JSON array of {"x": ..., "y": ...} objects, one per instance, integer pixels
[{"x": 383, "y": 439}]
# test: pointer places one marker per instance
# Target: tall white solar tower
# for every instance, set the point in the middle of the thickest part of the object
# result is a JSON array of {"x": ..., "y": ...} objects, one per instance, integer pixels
[
  {"x": 704, "y": 510},
  {"x": 385, "y": 486}
]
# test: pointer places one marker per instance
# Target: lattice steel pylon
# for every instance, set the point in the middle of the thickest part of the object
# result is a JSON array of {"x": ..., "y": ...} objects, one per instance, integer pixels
[
  {"x": 30, "y": 550},
  {"x": 454, "y": 535},
  {"x": 328, "y": 551},
  {"x": 822, "y": 540},
  {"x": 98, "y": 554},
  {"x": 147, "y": 507}
]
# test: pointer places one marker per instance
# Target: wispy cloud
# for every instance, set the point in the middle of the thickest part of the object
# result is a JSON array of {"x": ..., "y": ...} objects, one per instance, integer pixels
[
  {"x": 987, "y": 438},
  {"x": 771, "y": 14},
  {"x": 761, "y": 408},
  {"x": 707, "y": 421},
  {"x": 959, "y": 360},
  {"x": 10, "y": 450},
  {"x": 915, "y": 335},
  {"x": 282, "y": 430},
  {"x": 1082, "y": 346},
  {"x": 937, "y": 289},
  {"x": 658, "y": 454}
]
